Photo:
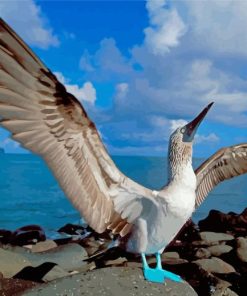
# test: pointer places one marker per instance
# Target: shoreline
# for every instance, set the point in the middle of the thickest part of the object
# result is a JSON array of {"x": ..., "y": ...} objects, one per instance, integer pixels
[{"x": 210, "y": 256}]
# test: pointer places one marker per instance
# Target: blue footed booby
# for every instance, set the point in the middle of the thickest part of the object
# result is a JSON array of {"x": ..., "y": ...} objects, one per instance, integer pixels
[{"x": 36, "y": 108}]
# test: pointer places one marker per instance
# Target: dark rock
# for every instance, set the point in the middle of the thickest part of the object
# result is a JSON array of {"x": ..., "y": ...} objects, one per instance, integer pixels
[
  {"x": 5, "y": 236},
  {"x": 11, "y": 287},
  {"x": 238, "y": 281},
  {"x": 26, "y": 235},
  {"x": 220, "y": 222},
  {"x": 201, "y": 280},
  {"x": 73, "y": 229},
  {"x": 185, "y": 250},
  {"x": 62, "y": 241},
  {"x": 202, "y": 253},
  {"x": 35, "y": 274},
  {"x": 90, "y": 244},
  {"x": 188, "y": 233}
]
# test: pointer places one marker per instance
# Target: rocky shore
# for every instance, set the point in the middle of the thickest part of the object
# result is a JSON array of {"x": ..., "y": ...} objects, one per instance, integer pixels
[{"x": 211, "y": 257}]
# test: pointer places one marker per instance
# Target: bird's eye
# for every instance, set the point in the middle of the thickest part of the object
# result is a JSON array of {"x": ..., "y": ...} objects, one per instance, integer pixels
[{"x": 182, "y": 130}]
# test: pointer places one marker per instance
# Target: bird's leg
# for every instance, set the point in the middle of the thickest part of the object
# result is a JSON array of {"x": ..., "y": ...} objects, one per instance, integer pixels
[
  {"x": 151, "y": 274},
  {"x": 158, "y": 274},
  {"x": 167, "y": 274}
]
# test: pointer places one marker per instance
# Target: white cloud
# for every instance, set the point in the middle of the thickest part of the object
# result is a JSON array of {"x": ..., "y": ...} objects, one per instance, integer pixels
[
  {"x": 27, "y": 19},
  {"x": 85, "y": 93},
  {"x": 121, "y": 91},
  {"x": 212, "y": 138},
  {"x": 219, "y": 26},
  {"x": 174, "y": 124},
  {"x": 85, "y": 63},
  {"x": 166, "y": 27},
  {"x": 191, "y": 55}
]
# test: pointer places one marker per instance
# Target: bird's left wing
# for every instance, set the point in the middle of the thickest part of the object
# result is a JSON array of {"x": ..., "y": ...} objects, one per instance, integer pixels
[
  {"x": 51, "y": 122},
  {"x": 224, "y": 164}
]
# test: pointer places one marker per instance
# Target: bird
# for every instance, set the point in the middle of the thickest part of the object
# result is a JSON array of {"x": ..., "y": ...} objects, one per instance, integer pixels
[{"x": 40, "y": 114}]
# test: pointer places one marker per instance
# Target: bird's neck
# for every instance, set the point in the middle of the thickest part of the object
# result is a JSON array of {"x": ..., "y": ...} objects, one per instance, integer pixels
[{"x": 180, "y": 170}]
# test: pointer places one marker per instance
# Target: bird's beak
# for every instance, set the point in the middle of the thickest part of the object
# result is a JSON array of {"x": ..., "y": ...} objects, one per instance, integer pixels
[{"x": 191, "y": 127}]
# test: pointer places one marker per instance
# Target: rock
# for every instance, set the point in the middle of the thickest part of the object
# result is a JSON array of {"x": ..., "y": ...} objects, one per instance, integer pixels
[
  {"x": 223, "y": 292},
  {"x": 215, "y": 237},
  {"x": 238, "y": 281},
  {"x": 202, "y": 253},
  {"x": 11, "y": 287},
  {"x": 218, "y": 250},
  {"x": 55, "y": 273},
  {"x": 69, "y": 257},
  {"x": 5, "y": 236},
  {"x": 200, "y": 243},
  {"x": 73, "y": 229},
  {"x": 90, "y": 244},
  {"x": 220, "y": 222},
  {"x": 170, "y": 255},
  {"x": 215, "y": 265},
  {"x": 116, "y": 262},
  {"x": 188, "y": 233},
  {"x": 63, "y": 241},
  {"x": 112, "y": 281},
  {"x": 35, "y": 274},
  {"x": 242, "y": 249},
  {"x": 44, "y": 246},
  {"x": 26, "y": 235},
  {"x": 28, "y": 247},
  {"x": 11, "y": 263}
]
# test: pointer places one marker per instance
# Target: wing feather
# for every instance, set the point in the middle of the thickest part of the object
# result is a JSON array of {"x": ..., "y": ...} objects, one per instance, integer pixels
[
  {"x": 224, "y": 164},
  {"x": 44, "y": 118}
]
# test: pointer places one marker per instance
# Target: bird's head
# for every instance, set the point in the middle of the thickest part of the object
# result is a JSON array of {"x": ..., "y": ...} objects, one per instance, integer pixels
[{"x": 182, "y": 139}]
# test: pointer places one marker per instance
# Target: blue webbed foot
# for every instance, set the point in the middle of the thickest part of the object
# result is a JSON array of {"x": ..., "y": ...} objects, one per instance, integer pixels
[
  {"x": 158, "y": 274},
  {"x": 172, "y": 276}
]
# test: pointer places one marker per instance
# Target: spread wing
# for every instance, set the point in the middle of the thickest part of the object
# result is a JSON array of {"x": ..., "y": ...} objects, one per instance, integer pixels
[
  {"x": 224, "y": 164},
  {"x": 46, "y": 119}
]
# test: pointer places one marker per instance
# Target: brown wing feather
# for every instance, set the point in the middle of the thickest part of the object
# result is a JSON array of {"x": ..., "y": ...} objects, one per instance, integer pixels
[
  {"x": 224, "y": 164},
  {"x": 46, "y": 119}
]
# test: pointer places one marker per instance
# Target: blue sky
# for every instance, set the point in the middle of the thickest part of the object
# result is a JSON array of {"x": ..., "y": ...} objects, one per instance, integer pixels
[{"x": 143, "y": 68}]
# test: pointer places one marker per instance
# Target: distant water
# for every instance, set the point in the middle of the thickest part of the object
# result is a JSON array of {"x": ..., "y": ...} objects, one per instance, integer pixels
[{"x": 29, "y": 194}]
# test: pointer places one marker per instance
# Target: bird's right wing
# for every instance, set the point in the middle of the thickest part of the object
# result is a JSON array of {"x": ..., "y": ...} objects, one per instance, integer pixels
[
  {"x": 40, "y": 114},
  {"x": 224, "y": 164}
]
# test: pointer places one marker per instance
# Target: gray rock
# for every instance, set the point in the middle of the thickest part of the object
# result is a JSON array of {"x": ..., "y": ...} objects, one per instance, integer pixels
[
  {"x": 43, "y": 246},
  {"x": 219, "y": 250},
  {"x": 55, "y": 273},
  {"x": 11, "y": 263},
  {"x": 202, "y": 253},
  {"x": 170, "y": 255},
  {"x": 118, "y": 261},
  {"x": 112, "y": 281},
  {"x": 69, "y": 257},
  {"x": 242, "y": 249},
  {"x": 215, "y": 264},
  {"x": 214, "y": 237}
]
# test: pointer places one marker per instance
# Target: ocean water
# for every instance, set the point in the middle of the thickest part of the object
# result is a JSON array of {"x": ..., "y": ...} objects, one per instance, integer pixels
[{"x": 29, "y": 194}]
